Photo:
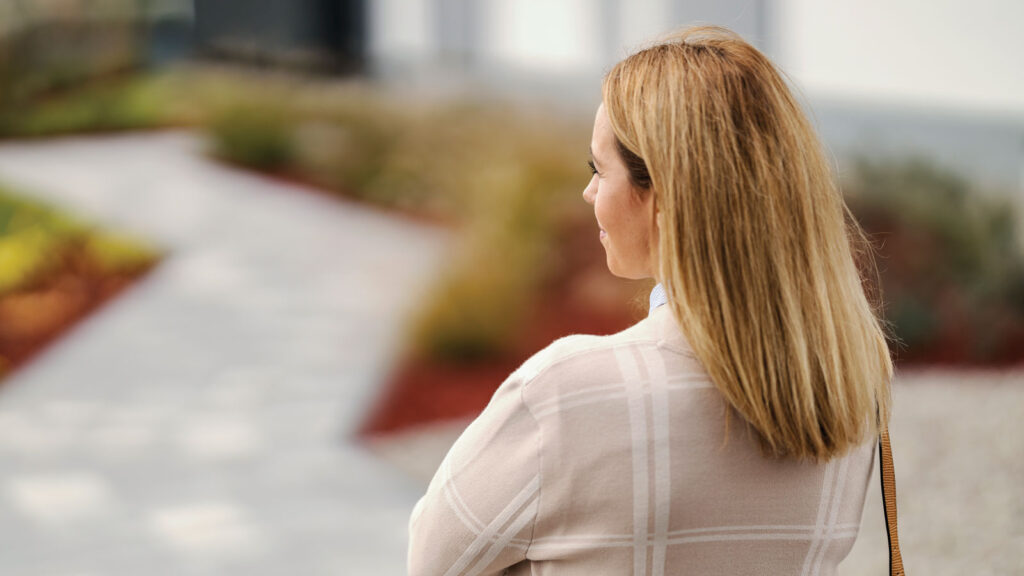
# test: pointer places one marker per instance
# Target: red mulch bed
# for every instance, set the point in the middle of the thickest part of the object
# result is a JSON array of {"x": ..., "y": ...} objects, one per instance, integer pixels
[{"x": 32, "y": 318}]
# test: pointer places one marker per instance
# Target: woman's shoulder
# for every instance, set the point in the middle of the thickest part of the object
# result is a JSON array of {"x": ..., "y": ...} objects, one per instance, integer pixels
[
  {"x": 585, "y": 350},
  {"x": 658, "y": 329}
]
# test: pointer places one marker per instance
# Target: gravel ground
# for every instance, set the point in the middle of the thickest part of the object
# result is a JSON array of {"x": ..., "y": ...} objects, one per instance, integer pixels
[{"x": 958, "y": 448}]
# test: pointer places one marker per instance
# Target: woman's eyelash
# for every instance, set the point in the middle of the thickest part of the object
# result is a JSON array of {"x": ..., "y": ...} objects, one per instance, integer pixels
[{"x": 593, "y": 169}]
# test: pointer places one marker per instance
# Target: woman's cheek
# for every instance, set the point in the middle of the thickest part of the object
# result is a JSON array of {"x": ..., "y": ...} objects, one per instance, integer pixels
[{"x": 601, "y": 210}]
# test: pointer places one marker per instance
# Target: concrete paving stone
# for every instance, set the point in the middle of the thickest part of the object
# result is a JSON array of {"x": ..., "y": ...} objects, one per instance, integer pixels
[
  {"x": 211, "y": 527},
  {"x": 60, "y": 497}
]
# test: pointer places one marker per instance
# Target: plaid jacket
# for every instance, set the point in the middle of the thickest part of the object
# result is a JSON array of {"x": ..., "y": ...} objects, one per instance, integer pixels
[{"x": 608, "y": 455}]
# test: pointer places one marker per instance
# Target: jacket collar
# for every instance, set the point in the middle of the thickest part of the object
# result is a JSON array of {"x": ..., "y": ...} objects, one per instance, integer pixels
[{"x": 658, "y": 298}]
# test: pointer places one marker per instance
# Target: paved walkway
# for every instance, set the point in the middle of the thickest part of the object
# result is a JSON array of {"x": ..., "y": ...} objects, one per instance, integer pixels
[{"x": 200, "y": 423}]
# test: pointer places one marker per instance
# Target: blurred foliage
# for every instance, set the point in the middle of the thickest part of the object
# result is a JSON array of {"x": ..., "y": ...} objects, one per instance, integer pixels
[
  {"x": 255, "y": 131},
  {"x": 30, "y": 238},
  {"x": 77, "y": 67},
  {"x": 73, "y": 67},
  {"x": 119, "y": 253},
  {"x": 46, "y": 47},
  {"x": 507, "y": 178},
  {"x": 34, "y": 238},
  {"x": 951, "y": 264},
  {"x": 477, "y": 309},
  {"x": 123, "y": 103}
]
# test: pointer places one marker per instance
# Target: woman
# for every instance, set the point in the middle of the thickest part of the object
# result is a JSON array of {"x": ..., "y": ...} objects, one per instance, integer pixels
[{"x": 614, "y": 454}]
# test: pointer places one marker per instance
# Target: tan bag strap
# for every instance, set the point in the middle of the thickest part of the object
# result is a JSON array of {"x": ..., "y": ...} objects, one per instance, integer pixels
[{"x": 888, "y": 475}]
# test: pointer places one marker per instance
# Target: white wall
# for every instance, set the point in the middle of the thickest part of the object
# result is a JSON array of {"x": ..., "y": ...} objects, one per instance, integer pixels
[
  {"x": 946, "y": 54},
  {"x": 547, "y": 36},
  {"x": 578, "y": 38},
  {"x": 641, "y": 22},
  {"x": 401, "y": 29}
]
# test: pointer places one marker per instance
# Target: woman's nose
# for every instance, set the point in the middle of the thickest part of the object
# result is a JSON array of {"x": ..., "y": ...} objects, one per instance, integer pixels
[{"x": 588, "y": 192}]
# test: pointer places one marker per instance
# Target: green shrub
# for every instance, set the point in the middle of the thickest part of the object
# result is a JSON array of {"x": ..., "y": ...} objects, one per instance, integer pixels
[
  {"x": 26, "y": 256},
  {"x": 127, "y": 103},
  {"x": 62, "y": 70},
  {"x": 513, "y": 194},
  {"x": 118, "y": 253},
  {"x": 949, "y": 258},
  {"x": 35, "y": 237},
  {"x": 476, "y": 310},
  {"x": 364, "y": 145},
  {"x": 976, "y": 231},
  {"x": 254, "y": 131},
  {"x": 44, "y": 49},
  {"x": 30, "y": 238}
]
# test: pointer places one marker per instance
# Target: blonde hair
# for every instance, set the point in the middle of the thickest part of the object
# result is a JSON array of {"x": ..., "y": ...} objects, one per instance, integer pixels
[{"x": 755, "y": 244}]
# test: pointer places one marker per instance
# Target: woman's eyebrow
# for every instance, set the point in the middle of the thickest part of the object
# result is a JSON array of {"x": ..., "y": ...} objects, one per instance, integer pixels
[{"x": 594, "y": 158}]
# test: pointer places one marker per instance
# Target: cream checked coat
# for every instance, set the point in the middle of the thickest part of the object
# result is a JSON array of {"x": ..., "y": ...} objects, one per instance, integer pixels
[{"x": 607, "y": 455}]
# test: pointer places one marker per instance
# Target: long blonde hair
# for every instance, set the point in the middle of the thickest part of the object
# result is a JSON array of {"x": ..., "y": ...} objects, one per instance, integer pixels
[{"x": 756, "y": 246}]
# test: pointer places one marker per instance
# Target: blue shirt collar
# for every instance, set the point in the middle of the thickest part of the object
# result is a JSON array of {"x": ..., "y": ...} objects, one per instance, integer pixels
[{"x": 658, "y": 297}]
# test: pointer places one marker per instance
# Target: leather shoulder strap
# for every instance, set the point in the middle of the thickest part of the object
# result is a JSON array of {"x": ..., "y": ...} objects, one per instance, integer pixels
[{"x": 888, "y": 476}]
